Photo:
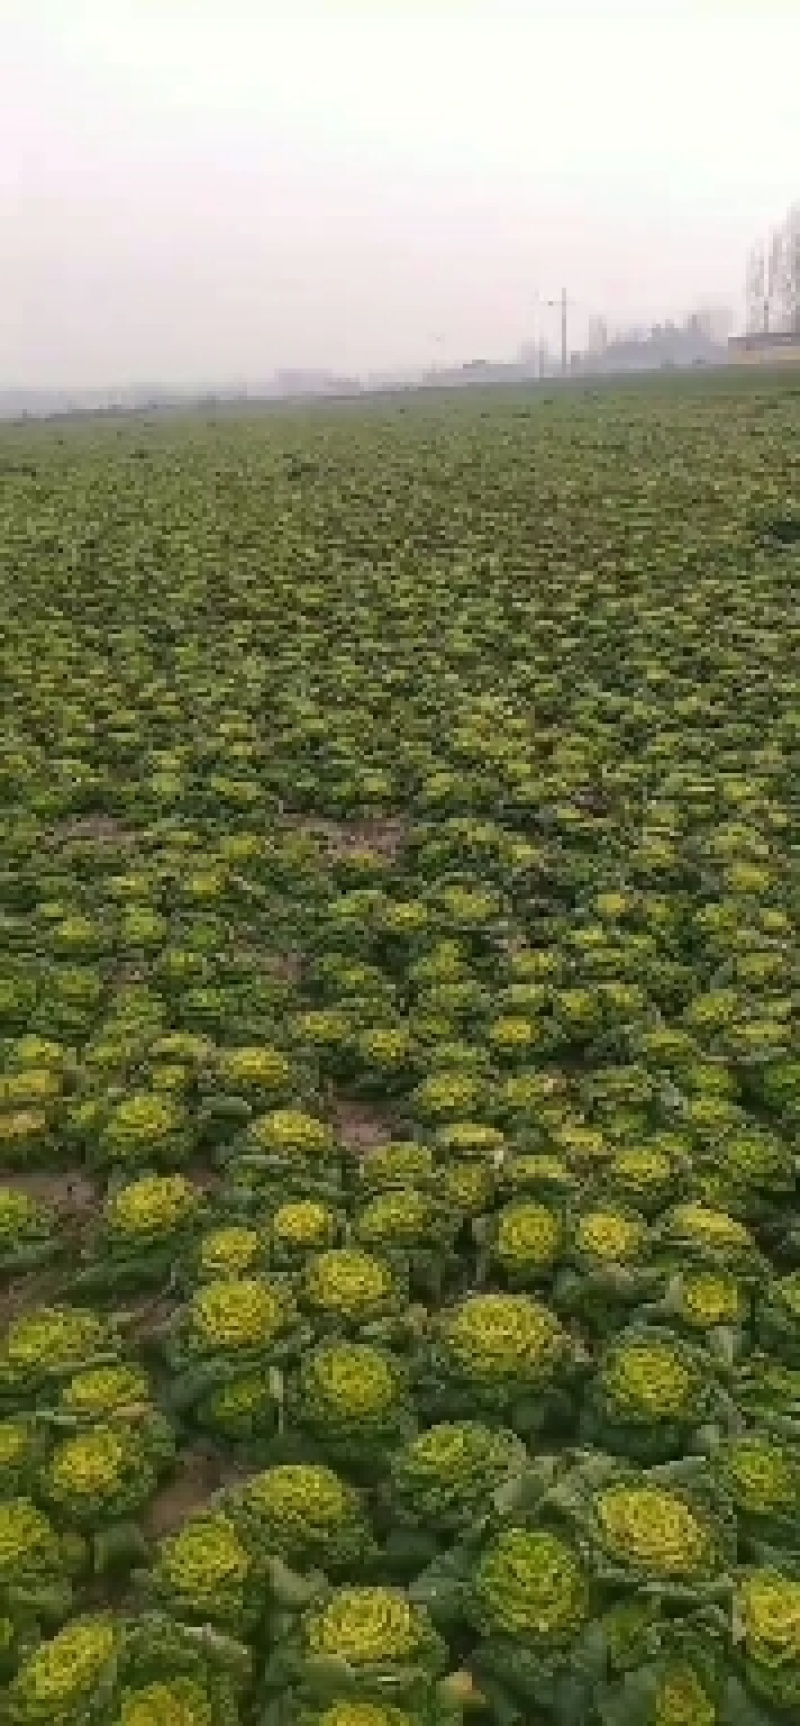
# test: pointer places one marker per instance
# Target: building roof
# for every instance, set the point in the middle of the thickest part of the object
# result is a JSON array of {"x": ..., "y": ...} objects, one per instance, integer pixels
[{"x": 760, "y": 339}]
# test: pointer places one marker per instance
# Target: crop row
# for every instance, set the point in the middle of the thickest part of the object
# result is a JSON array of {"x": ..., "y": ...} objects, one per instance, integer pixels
[{"x": 399, "y": 1068}]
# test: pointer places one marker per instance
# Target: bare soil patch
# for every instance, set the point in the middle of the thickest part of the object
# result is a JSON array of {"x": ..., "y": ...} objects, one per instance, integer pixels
[
  {"x": 282, "y": 967},
  {"x": 39, "y": 1288},
  {"x": 361, "y": 1126},
  {"x": 96, "y": 829},
  {"x": 382, "y": 834},
  {"x": 200, "y": 1474},
  {"x": 69, "y": 1190},
  {"x": 142, "y": 1323}
]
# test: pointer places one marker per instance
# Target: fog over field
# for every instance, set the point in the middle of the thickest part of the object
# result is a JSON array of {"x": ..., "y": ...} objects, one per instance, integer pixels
[{"x": 199, "y": 191}]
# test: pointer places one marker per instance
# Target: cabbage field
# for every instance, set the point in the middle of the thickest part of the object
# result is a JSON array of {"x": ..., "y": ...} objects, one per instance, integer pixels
[{"x": 400, "y": 1063}]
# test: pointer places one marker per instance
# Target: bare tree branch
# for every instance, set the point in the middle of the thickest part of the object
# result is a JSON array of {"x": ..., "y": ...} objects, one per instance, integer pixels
[{"x": 773, "y": 278}]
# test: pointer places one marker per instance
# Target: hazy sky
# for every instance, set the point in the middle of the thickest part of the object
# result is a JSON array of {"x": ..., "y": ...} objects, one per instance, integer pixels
[{"x": 213, "y": 189}]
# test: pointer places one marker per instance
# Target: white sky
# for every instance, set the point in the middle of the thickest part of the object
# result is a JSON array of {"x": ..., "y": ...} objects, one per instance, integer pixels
[{"x": 201, "y": 189}]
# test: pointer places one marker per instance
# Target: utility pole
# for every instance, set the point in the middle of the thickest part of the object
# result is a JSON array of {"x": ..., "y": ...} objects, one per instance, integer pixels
[
  {"x": 562, "y": 304},
  {"x": 437, "y": 341}
]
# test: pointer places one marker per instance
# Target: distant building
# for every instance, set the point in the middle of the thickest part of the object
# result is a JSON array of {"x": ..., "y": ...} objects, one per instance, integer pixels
[
  {"x": 664, "y": 346},
  {"x": 765, "y": 348},
  {"x": 535, "y": 361}
]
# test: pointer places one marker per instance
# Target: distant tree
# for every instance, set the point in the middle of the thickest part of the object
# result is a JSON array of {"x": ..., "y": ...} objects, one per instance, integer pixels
[
  {"x": 773, "y": 278},
  {"x": 756, "y": 290},
  {"x": 763, "y": 284},
  {"x": 776, "y": 277},
  {"x": 789, "y": 269},
  {"x": 712, "y": 322},
  {"x": 598, "y": 335}
]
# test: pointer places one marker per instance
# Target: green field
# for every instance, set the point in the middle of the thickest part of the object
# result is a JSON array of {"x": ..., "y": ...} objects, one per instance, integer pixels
[{"x": 400, "y": 1062}]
